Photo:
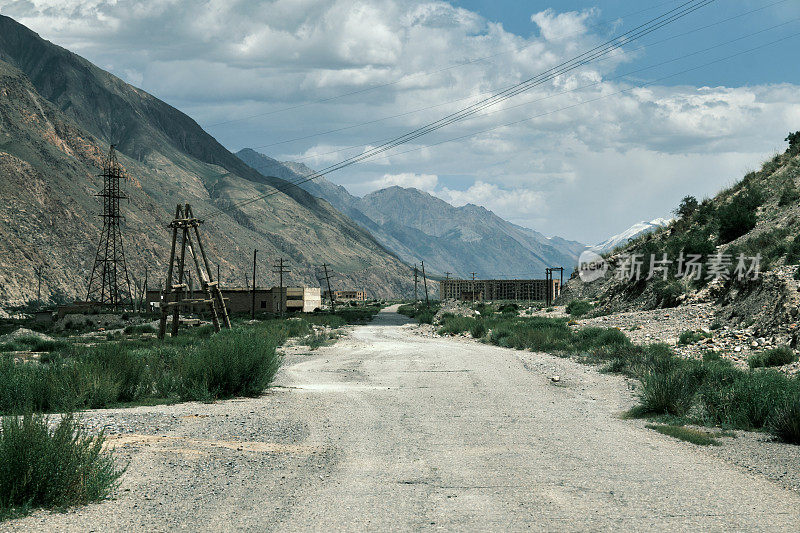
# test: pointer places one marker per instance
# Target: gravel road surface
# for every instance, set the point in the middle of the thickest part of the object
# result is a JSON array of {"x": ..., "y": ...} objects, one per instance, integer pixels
[{"x": 387, "y": 430}]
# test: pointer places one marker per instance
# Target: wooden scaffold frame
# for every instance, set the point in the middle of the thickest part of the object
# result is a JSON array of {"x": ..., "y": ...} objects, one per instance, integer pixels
[{"x": 175, "y": 290}]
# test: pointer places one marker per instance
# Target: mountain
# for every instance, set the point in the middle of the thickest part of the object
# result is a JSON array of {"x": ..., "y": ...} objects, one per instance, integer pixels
[
  {"x": 58, "y": 115},
  {"x": 637, "y": 230},
  {"x": 417, "y": 226}
]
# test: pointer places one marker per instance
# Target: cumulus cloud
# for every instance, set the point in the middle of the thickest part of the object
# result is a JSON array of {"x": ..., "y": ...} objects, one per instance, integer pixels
[
  {"x": 515, "y": 204},
  {"x": 560, "y": 26},
  {"x": 583, "y": 156},
  {"x": 425, "y": 182}
]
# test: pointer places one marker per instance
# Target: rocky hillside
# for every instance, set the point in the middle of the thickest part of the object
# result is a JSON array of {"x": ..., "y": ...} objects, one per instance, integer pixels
[
  {"x": 58, "y": 116},
  {"x": 418, "y": 226},
  {"x": 757, "y": 217}
]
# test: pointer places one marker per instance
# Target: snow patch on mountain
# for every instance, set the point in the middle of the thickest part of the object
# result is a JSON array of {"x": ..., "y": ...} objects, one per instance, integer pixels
[{"x": 638, "y": 229}]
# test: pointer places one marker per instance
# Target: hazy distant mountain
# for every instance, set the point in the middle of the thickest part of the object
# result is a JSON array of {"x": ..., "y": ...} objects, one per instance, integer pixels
[
  {"x": 418, "y": 226},
  {"x": 58, "y": 116},
  {"x": 640, "y": 228}
]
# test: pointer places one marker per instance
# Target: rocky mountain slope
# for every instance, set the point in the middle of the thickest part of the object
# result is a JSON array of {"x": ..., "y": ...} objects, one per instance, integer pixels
[
  {"x": 758, "y": 217},
  {"x": 58, "y": 116},
  {"x": 418, "y": 226}
]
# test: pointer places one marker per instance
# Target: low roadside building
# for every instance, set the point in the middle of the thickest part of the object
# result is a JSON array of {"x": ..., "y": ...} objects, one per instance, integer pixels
[
  {"x": 497, "y": 289},
  {"x": 348, "y": 296},
  {"x": 274, "y": 300}
]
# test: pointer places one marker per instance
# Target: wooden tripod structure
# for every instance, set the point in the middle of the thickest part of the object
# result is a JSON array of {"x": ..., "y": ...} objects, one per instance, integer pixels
[{"x": 175, "y": 290}]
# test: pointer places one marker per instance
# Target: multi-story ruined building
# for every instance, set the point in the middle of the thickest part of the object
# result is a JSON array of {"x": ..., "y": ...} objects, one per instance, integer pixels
[{"x": 497, "y": 289}]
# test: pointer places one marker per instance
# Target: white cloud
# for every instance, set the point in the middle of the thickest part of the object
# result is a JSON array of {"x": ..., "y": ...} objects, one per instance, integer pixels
[
  {"x": 424, "y": 182},
  {"x": 561, "y": 26},
  {"x": 514, "y": 204}
]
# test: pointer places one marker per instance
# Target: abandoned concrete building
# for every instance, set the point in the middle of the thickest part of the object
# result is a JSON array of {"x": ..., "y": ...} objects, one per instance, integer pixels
[
  {"x": 497, "y": 289},
  {"x": 347, "y": 296},
  {"x": 274, "y": 300}
]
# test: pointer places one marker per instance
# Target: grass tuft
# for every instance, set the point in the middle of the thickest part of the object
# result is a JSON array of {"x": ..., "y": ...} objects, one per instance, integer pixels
[
  {"x": 578, "y": 307},
  {"x": 774, "y": 357},
  {"x": 695, "y": 436},
  {"x": 51, "y": 467}
]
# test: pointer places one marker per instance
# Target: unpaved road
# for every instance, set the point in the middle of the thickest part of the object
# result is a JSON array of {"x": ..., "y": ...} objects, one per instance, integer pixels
[{"x": 387, "y": 430}]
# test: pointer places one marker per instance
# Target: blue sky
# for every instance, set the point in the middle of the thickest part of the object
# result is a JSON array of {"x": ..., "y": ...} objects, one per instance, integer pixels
[
  {"x": 752, "y": 69},
  {"x": 599, "y": 151}
]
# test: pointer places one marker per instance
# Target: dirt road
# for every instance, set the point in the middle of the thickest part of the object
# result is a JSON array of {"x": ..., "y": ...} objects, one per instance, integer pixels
[{"x": 387, "y": 430}]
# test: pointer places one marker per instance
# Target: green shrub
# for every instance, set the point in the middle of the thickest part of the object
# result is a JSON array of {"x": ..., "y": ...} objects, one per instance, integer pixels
[
  {"x": 739, "y": 215},
  {"x": 34, "y": 344},
  {"x": 690, "y": 337},
  {"x": 231, "y": 363},
  {"x": 478, "y": 330},
  {"x": 745, "y": 400},
  {"x": 687, "y": 207},
  {"x": 669, "y": 387},
  {"x": 578, "y": 307},
  {"x": 667, "y": 292},
  {"x": 140, "y": 328},
  {"x": 508, "y": 308},
  {"x": 789, "y": 195},
  {"x": 785, "y": 420},
  {"x": 423, "y": 313},
  {"x": 456, "y": 324},
  {"x": 774, "y": 357},
  {"x": 51, "y": 468}
]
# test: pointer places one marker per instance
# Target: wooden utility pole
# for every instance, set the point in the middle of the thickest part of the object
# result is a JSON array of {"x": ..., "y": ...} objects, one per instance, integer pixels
[
  {"x": 39, "y": 271},
  {"x": 425, "y": 282},
  {"x": 548, "y": 277},
  {"x": 473, "y": 286},
  {"x": 219, "y": 278},
  {"x": 146, "y": 281},
  {"x": 560, "y": 283},
  {"x": 186, "y": 222},
  {"x": 416, "y": 280},
  {"x": 330, "y": 292},
  {"x": 447, "y": 275},
  {"x": 281, "y": 270},
  {"x": 253, "y": 296}
]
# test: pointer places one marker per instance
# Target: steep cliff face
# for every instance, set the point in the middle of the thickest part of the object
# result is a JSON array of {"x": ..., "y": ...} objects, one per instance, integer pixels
[{"x": 58, "y": 116}]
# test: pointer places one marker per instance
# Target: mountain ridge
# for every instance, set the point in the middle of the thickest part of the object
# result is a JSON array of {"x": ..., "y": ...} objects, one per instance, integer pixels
[
  {"x": 416, "y": 226},
  {"x": 51, "y": 150}
]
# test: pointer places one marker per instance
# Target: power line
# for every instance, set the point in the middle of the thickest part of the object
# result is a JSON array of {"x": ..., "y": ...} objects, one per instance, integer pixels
[
  {"x": 598, "y": 51},
  {"x": 427, "y": 108},
  {"x": 623, "y": 91},
  {"x": 434, "y": 71}
]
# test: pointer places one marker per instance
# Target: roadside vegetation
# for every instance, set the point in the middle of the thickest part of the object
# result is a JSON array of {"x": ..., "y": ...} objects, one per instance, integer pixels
[
  {"x": 52, "y": 466},
  {"x": 695, "y": 436},
  {"x": 709, "y": 392},
  {"x": 56, "y": 465},
  {"x": 422, "y": 313},
  {"x": 93, "y": 373},
  {"x": 578, "y": 307}
]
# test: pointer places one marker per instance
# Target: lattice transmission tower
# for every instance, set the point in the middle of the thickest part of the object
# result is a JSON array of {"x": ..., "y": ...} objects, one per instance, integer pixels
[{"x": 109, "y": 283}]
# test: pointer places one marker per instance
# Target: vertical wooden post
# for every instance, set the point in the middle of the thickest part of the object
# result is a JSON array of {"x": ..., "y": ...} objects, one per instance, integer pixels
[
  {"x": 162, "y": 326},
  {"x": 253, "y": 299},
  {"x": 425, "y": 282}
]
